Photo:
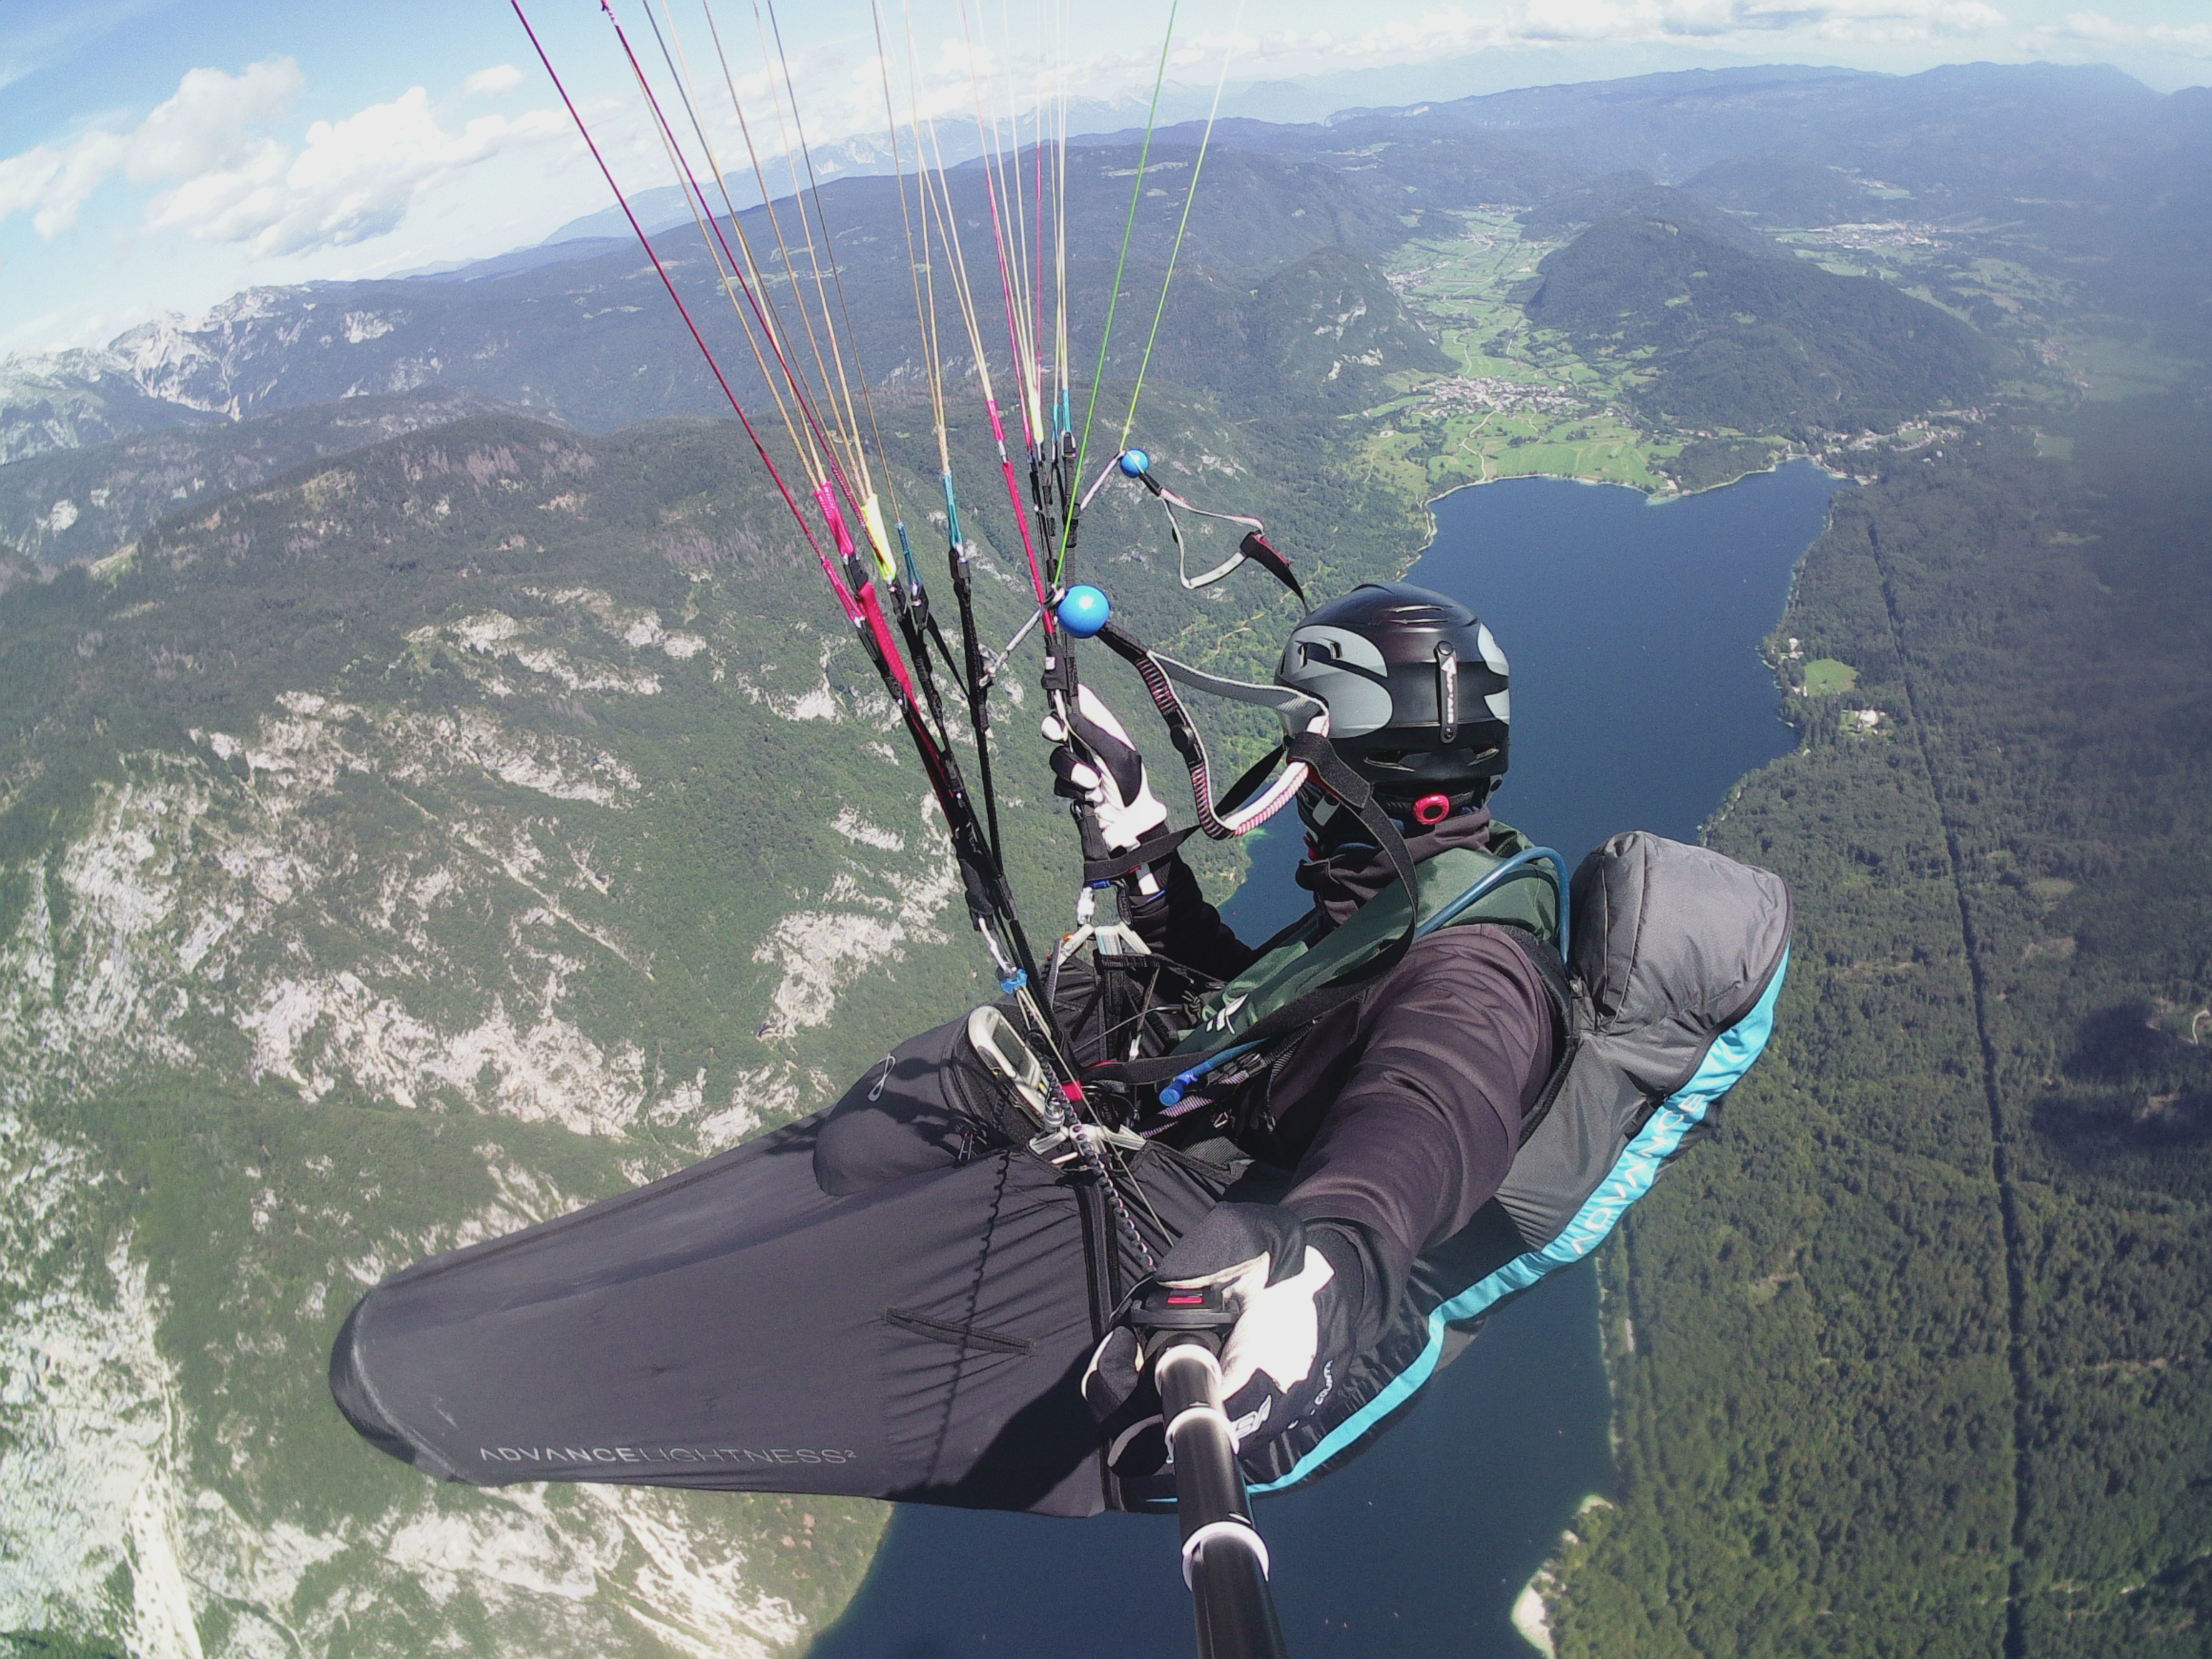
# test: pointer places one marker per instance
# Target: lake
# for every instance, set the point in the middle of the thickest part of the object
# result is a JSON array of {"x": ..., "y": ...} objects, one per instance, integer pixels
[{"x": 1638, "y": 700}]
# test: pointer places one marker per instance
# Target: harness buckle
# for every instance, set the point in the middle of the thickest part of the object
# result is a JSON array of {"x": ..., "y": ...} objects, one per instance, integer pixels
[{"x": 1066, "y": 1143}]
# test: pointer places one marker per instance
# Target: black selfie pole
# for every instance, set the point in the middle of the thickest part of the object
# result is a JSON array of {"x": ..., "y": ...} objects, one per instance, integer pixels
[{"x": 1223, "y": 1560}]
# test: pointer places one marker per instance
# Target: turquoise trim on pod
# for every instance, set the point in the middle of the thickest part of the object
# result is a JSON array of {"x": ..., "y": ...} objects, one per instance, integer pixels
[{"x": 1630, "y": 1178}]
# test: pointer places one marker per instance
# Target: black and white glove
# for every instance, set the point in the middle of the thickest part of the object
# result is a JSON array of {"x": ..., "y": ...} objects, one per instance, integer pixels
[
  {"x": 1098, "y": 765},
  {"x": 1297, "y": 1297}
]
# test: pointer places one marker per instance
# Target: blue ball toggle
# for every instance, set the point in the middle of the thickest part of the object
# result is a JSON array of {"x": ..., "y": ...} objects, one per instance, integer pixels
[
  {"x": 1083, "y": 610},
  {"x": 1135, "y": 463}
]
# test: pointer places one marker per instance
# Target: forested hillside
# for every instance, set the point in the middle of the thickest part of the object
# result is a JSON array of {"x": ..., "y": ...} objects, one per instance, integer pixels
[
  {"x": 82, "y": 501},
  {"x": 1935, "y": 1381},
  {"x": 433, "y": 838},
  {"x": 1759, "y": 341}
]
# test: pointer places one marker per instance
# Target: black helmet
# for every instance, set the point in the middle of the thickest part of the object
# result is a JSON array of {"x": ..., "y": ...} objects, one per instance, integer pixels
[{"x": 1417, "y": 696}]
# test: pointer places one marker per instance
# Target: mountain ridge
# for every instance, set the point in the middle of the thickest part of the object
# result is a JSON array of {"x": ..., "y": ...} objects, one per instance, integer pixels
[
  {"x": 1937, "y": 147},
  {"x": 84, "y": 502}
]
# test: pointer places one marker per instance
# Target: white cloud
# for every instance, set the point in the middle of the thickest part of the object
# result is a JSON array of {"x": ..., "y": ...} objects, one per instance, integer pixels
[
  {"x": 51, "y": 184},
  {"x": 2094, "y": 28},
  {"x": 1751, "y": 24},
  {"x": 207, "y": 124},
  {"x": 347, "y": 181},
  {"x": 210, "y": 122},
  {"x": 491, "y": 82}
]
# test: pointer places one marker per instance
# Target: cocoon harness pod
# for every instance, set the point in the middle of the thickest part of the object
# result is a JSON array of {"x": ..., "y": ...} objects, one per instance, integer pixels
[{"x": 889, "y": 1300}]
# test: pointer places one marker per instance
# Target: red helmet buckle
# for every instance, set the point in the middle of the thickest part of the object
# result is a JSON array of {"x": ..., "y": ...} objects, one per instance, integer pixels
[{"x": 1431, "y": 809}]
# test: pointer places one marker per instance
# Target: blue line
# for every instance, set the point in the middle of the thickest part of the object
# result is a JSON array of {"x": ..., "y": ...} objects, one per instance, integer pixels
[
  {"x": 1504, "y": 871},
  {"x": 1172, "y": 1091},
  {"x": 1630, "y": 1178},
  {"x": 906, "y": 548}
]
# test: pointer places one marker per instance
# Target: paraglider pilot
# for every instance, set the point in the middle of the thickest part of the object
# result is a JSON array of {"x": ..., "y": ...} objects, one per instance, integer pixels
[
  {"x": 1400, "y": 1111},
  {"x": 906, "y": 1297}
]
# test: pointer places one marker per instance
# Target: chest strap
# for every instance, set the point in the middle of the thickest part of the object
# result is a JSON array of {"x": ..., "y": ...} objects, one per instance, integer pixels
[{"x": 1327, "y": 772}]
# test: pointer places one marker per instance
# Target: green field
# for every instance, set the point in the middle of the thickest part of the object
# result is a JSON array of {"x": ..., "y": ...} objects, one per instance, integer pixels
[
  {"x": 1824, "y": 676},
  {"x": 1520, "y": 401}
]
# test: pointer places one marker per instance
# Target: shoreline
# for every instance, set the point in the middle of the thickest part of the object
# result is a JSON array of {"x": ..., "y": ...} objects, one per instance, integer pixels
[
  {"x": 1532, "y": 1608},
  {"x": 1651, "y": 497},
  {"x": 1543, "y": 1592}
]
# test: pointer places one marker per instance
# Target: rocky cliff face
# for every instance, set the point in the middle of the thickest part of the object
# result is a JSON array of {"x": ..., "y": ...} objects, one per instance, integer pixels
[{"x": 406, "y": 851}]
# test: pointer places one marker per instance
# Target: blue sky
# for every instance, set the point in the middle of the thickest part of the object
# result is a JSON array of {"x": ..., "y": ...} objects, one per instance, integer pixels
[{"x": 160, "y": 156}]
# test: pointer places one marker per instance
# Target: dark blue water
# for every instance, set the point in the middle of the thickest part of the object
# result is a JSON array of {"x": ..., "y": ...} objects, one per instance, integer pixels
[{"x": 1638, "y": 699}]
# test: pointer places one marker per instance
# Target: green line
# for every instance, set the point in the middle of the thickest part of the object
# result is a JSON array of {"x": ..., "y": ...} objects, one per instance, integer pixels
[
  {"x": 1176, "y": 252},
  {"x": 1113, "y": 299}
]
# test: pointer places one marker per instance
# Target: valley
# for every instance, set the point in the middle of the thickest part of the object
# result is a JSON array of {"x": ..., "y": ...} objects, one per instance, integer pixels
[{"x": 1522, "y": 400}]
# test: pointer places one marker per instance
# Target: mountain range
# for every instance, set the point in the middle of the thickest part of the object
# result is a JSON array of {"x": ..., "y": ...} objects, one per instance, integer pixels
[{"x": 1970, "y": 151}]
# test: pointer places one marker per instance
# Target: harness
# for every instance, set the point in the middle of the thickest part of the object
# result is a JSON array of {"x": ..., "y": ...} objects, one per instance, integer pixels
[{"x": 1305, "y": 972}]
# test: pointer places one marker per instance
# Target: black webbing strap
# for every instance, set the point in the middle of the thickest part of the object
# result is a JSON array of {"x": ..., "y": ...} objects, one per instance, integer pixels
[
  {"x": 1254, "y": 775},
  {"x": 1348, "y": 789},
  {"x": 1255, "y": 547},
  {"x": 1180, "y": 731},
  {"x": 1154, "y": 848}
]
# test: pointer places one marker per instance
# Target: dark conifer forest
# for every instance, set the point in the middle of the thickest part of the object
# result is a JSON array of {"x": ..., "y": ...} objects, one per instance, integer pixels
[{"x": 1920, "y": 1348}]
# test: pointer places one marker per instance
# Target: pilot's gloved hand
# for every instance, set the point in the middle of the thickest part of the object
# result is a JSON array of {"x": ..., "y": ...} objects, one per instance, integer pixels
[
  {"x": 1298, "y": 1292},
  {"x": 1098, "y": 764}
]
